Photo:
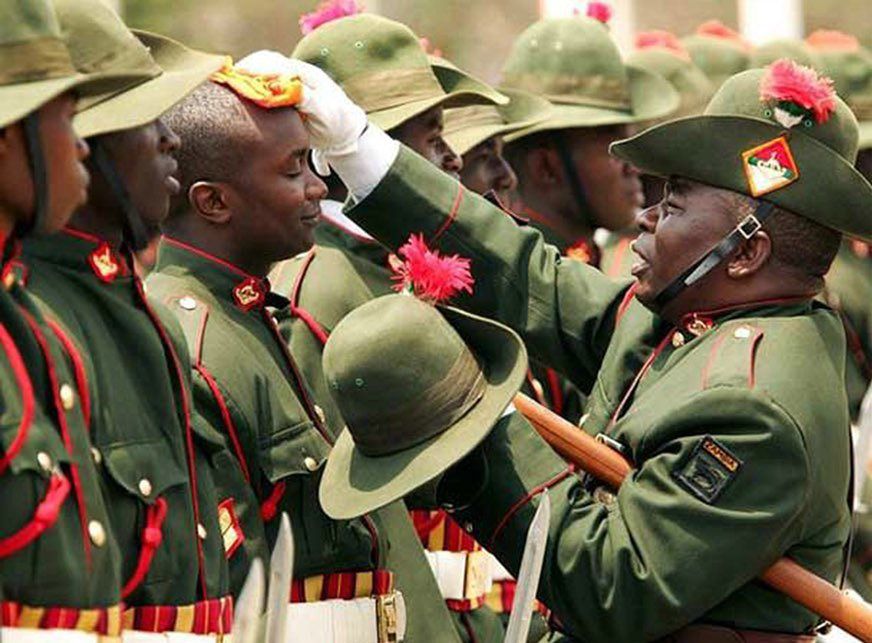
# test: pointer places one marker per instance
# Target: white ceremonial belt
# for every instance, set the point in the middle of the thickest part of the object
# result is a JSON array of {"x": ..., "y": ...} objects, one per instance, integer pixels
[
  {"x": 498, "y": 572},
  {"x": 461, "y": 575},
  {"x": 34, "y": 635},
  {"x": 137, "y": 636},
  {"x": 379, "y": 619}
]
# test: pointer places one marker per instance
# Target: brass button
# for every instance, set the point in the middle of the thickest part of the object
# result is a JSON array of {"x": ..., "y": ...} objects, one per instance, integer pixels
[
  {"x": 320, "y": 413},
  {"x": 201, "y": 531},
  {"x": 96, "y": 456},
  {"x": 44, "y": 460},
  {"x": 145, "y": 487},
  {"x": 68, "y": 397},
  {"x": 188, "y": 303},
  {"x": 9, "y": 280},
  {"x": 742, "y": 332},
  {"x": 97, "y": 533},
  {"x": 310, "y": 463},
  {"x": 678, "y": 340}
]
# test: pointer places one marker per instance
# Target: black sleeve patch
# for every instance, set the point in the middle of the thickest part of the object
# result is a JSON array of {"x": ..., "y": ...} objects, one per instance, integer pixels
[{"x": 708, "y": 470}]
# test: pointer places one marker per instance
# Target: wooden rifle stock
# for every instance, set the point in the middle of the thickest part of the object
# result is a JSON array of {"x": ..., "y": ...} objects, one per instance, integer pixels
[{"x": 788, "y": 577}]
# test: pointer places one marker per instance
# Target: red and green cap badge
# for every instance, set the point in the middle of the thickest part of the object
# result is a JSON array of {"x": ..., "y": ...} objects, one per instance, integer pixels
[{"x": 779, "y": 133}]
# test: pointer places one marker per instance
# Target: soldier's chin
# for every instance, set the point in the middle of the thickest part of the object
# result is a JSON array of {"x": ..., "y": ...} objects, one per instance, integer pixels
[{"x": 645, "y": 293}]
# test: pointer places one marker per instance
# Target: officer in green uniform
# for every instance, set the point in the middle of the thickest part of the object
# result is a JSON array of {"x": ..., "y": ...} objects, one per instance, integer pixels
[
  {"x": 718, "y": 50},
  {"x": 253, "y": 200},
  {"x": 716, "y": 373},
  {"x": 155, "y": 458},
  {"x": 659, "y": 52},
  {"x": 59, "y": 562}
]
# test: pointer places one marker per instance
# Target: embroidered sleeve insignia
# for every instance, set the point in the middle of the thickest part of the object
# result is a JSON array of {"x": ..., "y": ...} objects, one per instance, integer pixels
[
  {"x": 769, "y": 167},
  {"x": 708, "y": 470},
  {"x": 104, "y": 264}
]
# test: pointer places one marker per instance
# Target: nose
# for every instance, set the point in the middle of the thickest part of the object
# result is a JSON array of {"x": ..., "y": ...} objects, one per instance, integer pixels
[
  {"x": 83, "y": 151},
  {"x": 169, "y": 140},
  {"x": 316, "y": 189},
  {"x": 647, "y": 219},
  {"x": 507, "y": 180},
  {"x": 451, "y": 162}
]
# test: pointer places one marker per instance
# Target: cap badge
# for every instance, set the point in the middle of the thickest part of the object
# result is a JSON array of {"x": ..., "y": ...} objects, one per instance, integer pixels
[
  {"x": 104, "y": 264},
  {"x": 769, "y": 167}
]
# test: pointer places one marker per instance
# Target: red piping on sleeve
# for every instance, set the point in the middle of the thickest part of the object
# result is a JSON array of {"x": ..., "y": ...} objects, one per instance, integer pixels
[
  {"x": 451, "y": 215},
  {"x": 225, "y": 418},
  {"x": 25, "y": 388},
  {"x": 535, "y": 491}
]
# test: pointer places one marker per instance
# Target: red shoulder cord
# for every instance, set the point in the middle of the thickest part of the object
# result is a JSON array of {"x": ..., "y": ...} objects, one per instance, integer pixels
[{"x": 152, "y": 536}]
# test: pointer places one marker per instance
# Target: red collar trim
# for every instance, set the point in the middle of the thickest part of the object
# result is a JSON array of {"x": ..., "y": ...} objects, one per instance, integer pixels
[
  {"x": 206, "y": 255},
  {"x": 106, "y": 263},
  {"x": 698, "y": 322}
]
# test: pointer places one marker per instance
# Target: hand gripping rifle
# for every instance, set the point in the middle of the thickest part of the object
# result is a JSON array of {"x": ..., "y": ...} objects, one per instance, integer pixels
[{"x": 786, "y": 576}]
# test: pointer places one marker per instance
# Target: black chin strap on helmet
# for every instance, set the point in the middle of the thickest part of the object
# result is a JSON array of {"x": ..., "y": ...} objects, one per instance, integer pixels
[
  {"x": 746, "y": 229},
  {"x": 571, "y": 173},
  {"x": 135, "y": 233},
  {"x": 38, "y": 173}
]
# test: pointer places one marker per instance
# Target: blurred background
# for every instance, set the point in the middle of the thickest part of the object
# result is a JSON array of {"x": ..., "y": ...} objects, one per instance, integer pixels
[{"x": 476, "y": 34}]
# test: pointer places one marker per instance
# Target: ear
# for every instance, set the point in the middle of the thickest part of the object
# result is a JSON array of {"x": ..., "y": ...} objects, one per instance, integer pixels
[
  {"x": 544, "y": 167},
  {"x": 209, "y": 200},
  {"x": 750, "y": 257}
]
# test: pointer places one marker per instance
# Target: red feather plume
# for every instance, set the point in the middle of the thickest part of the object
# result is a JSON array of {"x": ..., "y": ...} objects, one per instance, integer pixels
[
  {"x": 599, "y": 11},
  {"x": 787, "y": 81},
  {"x": 663, "y": 40},
  {"x": 327, "y": 12},
  {"x": 832, "y": 40},
  {"x": 717, "y": 29},
  {"x": 429, "y": 275}
]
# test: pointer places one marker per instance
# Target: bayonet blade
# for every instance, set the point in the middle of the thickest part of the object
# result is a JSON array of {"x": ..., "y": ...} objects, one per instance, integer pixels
[
  {"x": 249, "y": 607},
  {"x": 280, "y": 574}
]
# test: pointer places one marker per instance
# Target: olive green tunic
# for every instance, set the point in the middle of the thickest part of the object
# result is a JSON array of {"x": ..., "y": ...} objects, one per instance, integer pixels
[
  {"x": 68, "y": 564},
  {"x": 737, "y": 423},
  {"x": 146, "y": 444}
]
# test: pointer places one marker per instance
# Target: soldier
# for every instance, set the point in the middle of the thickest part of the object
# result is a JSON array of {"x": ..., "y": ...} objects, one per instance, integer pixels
[
  {"x": 659, "y": 52},
  {"x": 59, "y": 563},
  {"x": 718, "y": 50},
  {"x": 324, "y": 286},
  {"x": 717, "y": 374},
  {"x": 154, "y": 457},
  {"x": 253, "y": 200}
]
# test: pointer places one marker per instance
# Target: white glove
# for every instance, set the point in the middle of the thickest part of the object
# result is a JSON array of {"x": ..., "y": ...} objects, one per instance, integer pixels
[{"x": 334, "y": 122}]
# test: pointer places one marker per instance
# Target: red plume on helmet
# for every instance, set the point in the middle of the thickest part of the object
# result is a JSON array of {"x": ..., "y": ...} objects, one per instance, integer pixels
[
  {"x": 832, "y": 40},
  {"x": 799, "y": 92},
  {"x": 657, "y": 38},
  {"x": 327, "y": 12},
  {"x": 599, "y": 11},
  {"x": 430, "y": 276},
  {"x": 717, "y": 29}
]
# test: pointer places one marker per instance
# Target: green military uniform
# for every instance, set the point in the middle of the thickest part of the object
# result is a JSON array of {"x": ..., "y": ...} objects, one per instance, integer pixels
[
  {"x": 59, "y": 561},
  {"x": 735, "y": 420},
  {"x": 245, "y": 377},
  {"x": 155, "y": 458},
  {"x": 392, "y": 89}
]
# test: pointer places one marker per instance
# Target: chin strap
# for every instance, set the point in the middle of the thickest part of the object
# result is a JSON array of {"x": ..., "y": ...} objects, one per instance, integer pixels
[
  {"x": 38, "y": 173},
  {"x": 575, "y": 185},
  {"x": 135, "y": 233},
  {"x": 746, "y": 229}
]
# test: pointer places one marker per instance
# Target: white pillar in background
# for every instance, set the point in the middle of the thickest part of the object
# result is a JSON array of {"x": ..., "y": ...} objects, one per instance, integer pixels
[
  {"x": 763, "y": 20},
  {"x": 622, "y": 23}
]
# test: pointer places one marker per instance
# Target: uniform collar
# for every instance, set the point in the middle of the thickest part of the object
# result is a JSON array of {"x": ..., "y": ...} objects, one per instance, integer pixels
[
  {"x": 583, "y": 249},
  {"x": 224, "y": 280},
  {"x": 81, "y": 251},
  {"x": 700, "y": 322}
]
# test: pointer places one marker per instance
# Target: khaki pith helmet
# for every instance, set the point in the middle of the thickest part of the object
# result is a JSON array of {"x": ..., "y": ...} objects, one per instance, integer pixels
[
  {"x": 770, "y": 149},
  {"x": 575, "y": 64},
  {"x": 35, "y": 64},
  {"x": 382, "y": 67}
]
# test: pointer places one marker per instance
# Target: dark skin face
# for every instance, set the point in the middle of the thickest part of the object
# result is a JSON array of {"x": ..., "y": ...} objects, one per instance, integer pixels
[
  {"x": 423, "y": 133},
  {"x": 689, "y": 221},
  {"x": 144, "y": 159},
  {"x": 485, "y": 169},
  {"x": 612, "y": 188},
  {"x": 269, "y": 210},
  {"x": 64, "y": 155}
]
